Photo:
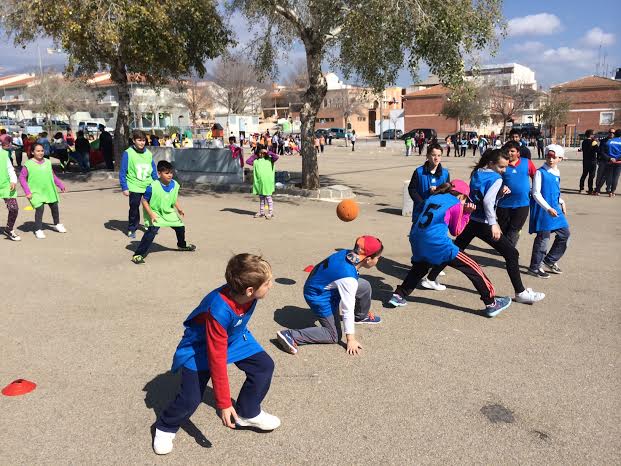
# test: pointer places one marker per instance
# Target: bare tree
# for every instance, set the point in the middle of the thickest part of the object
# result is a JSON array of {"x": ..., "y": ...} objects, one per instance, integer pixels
[
  {"x": 236, "y": 85},
  {"x": 351, "y": 102},
  {"x": 554, "y": 113},
  {"x": 196, "y": 97},
  {"x": 507, "y": 102},
  {"x": 468, "y": 104}
]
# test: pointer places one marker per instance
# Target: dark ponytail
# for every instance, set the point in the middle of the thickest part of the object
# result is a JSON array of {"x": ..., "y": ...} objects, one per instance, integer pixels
[
  {"x": 489, "y": 156},
  {"x": 445, "y": 188}
]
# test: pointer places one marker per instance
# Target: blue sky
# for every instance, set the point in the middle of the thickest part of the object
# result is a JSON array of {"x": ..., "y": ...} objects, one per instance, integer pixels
[{"x": 558, "y": 39}]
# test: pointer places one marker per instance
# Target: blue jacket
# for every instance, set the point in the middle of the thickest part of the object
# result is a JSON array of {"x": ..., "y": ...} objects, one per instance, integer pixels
[{"x": 614, "y": 148}]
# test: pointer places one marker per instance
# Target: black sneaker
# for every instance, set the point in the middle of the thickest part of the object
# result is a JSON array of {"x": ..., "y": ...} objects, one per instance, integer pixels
[
  {"x": 540, "y": 273},
  {"x": 552, "y": 268},
  {"x": 187, "y": 247}
]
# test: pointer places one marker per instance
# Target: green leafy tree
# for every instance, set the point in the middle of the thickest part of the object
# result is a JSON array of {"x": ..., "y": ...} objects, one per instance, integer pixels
[
  {"x": 371, "y": 41},
  {"x": 156, "y": 39},
  {"x": 467, "y": 103}
]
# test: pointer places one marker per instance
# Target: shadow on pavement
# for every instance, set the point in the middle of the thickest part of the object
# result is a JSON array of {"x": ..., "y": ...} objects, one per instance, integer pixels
[
  {"x": 285, "y": 281},
  {"x": 119, "y": 225},
  {"x": 155, "y": 247},
  {"x": 390, "y": 210},
  {"x": 393, "y": 268},
  {"x": 160, "y": 391},
  {"x": 294, "y": 317},
  {"x": 238, "y": 211},
  {"x": 445, "y": 305}
]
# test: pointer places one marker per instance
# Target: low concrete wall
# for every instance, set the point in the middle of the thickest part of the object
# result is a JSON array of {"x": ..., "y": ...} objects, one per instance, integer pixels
[{"x": 215, "y": 166}]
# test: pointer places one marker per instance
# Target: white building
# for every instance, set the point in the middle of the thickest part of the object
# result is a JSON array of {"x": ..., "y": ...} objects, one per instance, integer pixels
[{"x": 505, "y": 75}]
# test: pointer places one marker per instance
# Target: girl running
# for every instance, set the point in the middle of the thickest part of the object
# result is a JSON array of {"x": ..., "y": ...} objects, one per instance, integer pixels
[
  {"x": 39, "y": 184},
  {"x": 263, "y": 183},
  {"x": 8, "y": 180},
  {"x": 485, "y": 186},
  {"x": 446, "y": 210}
]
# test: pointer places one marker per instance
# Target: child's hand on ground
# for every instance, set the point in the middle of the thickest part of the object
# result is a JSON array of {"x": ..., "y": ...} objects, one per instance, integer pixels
[
  {"x": 496, "y": 232},
  {"x": 28, "y": 196},
  {"x": 353, "y": 347},
  {"x": 553, "y": 212},
  {"x": 225, "y": 415},
  {"x": 126, "y": 193}
]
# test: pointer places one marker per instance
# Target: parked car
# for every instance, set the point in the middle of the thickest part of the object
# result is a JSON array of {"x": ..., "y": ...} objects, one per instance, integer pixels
[
  {"x": 430, "y": 133},
  {"x": 323, "y": 132},
  {"x": 392, "y": 134},
  {"x": 92, "y": 126},
  {"x": 339, "y": 133},
  {"x": 59, "y": 124},
  {"x": 5, "y": 121}
]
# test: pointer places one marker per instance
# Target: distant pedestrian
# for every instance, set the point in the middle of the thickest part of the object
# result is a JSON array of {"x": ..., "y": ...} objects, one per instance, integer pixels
[
  {"x": 353, "y": 140},
  {"x": 589, "y": 160}
]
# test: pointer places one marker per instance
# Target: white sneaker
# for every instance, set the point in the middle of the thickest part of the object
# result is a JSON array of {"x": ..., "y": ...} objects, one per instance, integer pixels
[
  {"x": 39, "y": 234},
  {"x": 442, "y": 274},
  {"x": 528, "y": 296},
  {"x": 163, "y": 442},
  {"x": 12, "y": 235},
  {"x": 60, "y": 228},
  {"x": 431, "y": 285},
  {"x": 263, "y": 421}
]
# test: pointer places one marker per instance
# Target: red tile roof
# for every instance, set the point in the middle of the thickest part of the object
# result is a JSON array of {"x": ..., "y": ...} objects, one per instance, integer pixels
[
  {"x": 432, "y": 91},
  {"x": 589, "y": 82}
]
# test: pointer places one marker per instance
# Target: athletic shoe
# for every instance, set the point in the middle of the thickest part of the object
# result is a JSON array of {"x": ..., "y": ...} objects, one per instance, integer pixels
[
  {"x": 263, "y": 421},
  {"x": 12, "y": 235},
  {"x": 528, "y": 296},
  {"x": 287, "y": 342},
  {"x": 540, "y": 273},
  {"x": 397, "y": 301},
  {"x": 431, "y": 285},
  {"x": 187, "y": 247},
  {"x": 60, "y": 228},
  {"x": 268, "y": 216},
  {"x": 442, "y": 274},
  {"x": 163, "y": 442},
  {"x": 259, "y": 215},
  {"x": 500, "y": 304},
  {"x": 131, "y": 234},
  {"x": 552, "y": 268},
  {"x": 138, "y": 259},
  {"x": 370, "y": 319},
  {"x": 39, "y": 234}
]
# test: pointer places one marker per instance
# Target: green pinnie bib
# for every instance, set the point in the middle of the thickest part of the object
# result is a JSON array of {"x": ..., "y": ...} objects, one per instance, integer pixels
[
  {"x": 139, "y": 169},
  {"x": 263, "y": 177},
  {"x": 5, "y": 181},
  {"x": 41, "y": 183},
  {"x": 163, "y": 205}
]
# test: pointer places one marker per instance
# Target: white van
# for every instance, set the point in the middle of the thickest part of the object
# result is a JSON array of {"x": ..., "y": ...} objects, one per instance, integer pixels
[{"x": 92, "y": 126}]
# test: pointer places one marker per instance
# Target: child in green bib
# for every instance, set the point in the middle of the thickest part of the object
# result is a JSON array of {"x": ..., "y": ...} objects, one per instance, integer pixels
[
  {"x": 135, "y": 175},
  {"x": 162, "y": 209},
  {"x": 40, "y": 186},
  {"x": 262, "y": 163},
  {"x": 8, "y": 181}
]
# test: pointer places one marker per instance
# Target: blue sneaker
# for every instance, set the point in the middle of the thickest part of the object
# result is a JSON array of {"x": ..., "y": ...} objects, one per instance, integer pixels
[
  {"x": 370, "y": 319},
  {"x": 397, "y": 301},
  {"x": 500, "y": 304},
  {"x": 287, "y": 342},
  {"x": 131, "y": 234}
]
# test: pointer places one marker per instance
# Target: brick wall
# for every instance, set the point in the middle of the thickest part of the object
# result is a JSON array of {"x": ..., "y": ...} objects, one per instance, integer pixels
[
  {"x": 587, "y": 104},
  {"x": 424, "y": 112}
]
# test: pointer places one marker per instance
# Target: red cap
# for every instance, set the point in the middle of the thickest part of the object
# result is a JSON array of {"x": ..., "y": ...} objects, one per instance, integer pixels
[{"x": 367, "y": 246}]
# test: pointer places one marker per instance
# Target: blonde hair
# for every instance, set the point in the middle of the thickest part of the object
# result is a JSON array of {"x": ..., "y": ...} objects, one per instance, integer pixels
[{"x": 247, "y": 270}]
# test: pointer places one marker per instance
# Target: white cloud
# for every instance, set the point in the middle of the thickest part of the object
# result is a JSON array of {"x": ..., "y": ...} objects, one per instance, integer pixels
[
  {"x": 542, "y": 24},
  {"x": 596, "y": 36},
  {"x": 529, "y": 47},
  {"x": 580, "y": 58}
]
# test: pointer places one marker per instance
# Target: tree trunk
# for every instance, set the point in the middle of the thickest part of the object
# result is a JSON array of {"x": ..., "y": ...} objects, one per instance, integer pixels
[
  {"x": 118, "y": 74},
  {"x": 311, "y": 100},
  {"x": 504, "y": 131}
]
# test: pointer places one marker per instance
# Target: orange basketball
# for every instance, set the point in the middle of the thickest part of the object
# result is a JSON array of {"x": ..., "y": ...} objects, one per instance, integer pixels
[{"x": 347, "y": 210}]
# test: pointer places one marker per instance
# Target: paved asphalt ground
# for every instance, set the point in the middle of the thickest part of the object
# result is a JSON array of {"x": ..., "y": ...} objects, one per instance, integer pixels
[{"x": 97, "y": 334}]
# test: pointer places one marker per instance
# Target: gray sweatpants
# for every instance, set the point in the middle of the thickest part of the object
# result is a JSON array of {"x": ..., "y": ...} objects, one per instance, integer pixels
[{"x": 330, "y": 327}]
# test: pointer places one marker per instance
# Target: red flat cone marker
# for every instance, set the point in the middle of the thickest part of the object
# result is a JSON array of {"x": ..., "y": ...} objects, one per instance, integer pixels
[
  {"x": 309, "y": 268},
  {"x": 19, "y": 387}
]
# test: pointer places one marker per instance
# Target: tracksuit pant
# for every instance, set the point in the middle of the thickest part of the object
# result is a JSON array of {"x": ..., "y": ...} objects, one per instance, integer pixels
[
  {"x": 258, "y": 368},
  {"x": 13, "y": 208},
  {"x": 540, "y": 247},
  {"x": 134, "y": 211},
  {"x": 511, "y": 221},
  {"x": 39, "y": 215},
  {"x": 483, "y": 231},
  {"x": 603, "y": 176},
  {"x": 588, "y": 169},
  {"x": 149, "y": 236},
  {"x": 330, "y": 330},
  {"x": 464, "y": 263}
]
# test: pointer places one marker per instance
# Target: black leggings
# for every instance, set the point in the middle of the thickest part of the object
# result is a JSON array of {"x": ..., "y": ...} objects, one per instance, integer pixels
[
  {"x": 39, "y": 215},
  {"x": 511, "y": 221},
  {"x": 464, "y": 263},
  {"x": 483, "y": 231}
]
